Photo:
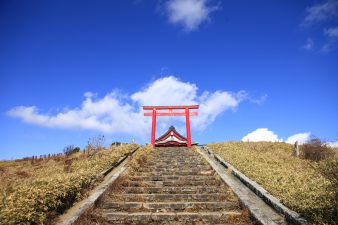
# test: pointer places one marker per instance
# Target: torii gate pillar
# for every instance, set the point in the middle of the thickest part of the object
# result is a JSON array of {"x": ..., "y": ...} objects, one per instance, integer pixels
[
  {"x": 187, "y": 123},
  {"x": 186, "y": 113},
  {"x": 153, "y": 127}
]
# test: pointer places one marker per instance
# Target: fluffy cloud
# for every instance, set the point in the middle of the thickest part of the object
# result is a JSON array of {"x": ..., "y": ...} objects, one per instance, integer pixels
[
  {"x": 333, "y": 144},
  {"x": 332, "y": 37},
  {"x": 123, "y": 113},
  {"x": 108, "y": 114},
  {"x": 261, "y": 134},
  {"x": 309, "y": 44},
  {"x": 189, "y": 13},
  {"x": 211, "y": 105},
  {"x": 264, "y": 134},
  {"x": 332, "y": 32},
  {"x": 301, "y": 138},
  {"x": 167, "y": 91},
  {"x": 321, "y": 12}
]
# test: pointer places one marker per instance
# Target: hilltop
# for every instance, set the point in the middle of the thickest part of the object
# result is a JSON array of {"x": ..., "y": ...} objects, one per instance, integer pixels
[
  {"x": 306, "y": 186},
  {"x": 36, "y": 191}
]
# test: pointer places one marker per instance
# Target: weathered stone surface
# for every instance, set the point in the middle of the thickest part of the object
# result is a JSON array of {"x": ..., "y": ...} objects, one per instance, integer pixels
[
  {"x": 261, "y": 211},
  {"x": 177, "y": 187}
]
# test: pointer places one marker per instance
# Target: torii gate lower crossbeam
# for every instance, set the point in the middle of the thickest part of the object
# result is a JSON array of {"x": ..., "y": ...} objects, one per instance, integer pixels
[{"x": 187, "y": 113}]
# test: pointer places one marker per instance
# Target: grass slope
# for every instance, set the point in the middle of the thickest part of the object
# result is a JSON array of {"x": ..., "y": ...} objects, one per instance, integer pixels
[
  {"x": 33, "y": 192},
  {"x": 298, "y": 183}
]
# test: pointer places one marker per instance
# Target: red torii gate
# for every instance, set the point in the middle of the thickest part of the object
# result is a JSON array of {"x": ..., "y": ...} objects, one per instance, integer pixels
[{"x": 170, "y": 112}]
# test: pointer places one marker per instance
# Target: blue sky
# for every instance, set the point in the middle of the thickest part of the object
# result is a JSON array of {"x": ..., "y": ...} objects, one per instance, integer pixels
[{"x": 71, "y": 70}]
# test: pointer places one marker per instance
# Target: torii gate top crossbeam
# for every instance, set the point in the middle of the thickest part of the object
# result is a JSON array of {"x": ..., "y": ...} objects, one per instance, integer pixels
[
  {"x": 171, "y": 107},
  {"x": 170, "y": 112}
]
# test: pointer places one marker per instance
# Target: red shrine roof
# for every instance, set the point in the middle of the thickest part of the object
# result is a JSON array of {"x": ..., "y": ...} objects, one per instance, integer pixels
[{"x": 171, "y": 138}]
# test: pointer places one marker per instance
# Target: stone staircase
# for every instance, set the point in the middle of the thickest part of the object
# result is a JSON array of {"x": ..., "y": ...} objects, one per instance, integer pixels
[{"x": 175, "y": 187}]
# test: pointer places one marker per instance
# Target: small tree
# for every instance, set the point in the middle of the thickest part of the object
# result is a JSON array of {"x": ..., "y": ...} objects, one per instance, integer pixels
[
  {"x": 69, "y": 150},
  {"x": 316, "y": 150},
  {"x": 116, "y": 143},
  {"x": 95, "y": 144}
]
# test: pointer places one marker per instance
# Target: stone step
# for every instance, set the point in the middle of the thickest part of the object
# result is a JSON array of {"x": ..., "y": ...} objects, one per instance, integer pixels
[
  {"x": 174, "y": 187},
  {"x": 170, "y": 178},
  {"x": 170, "y": 157},
  {"x": 165, "y": 166},
  {"x": 176, "y": 156},
  {"x": 176, "y": 170},
  {"x": 176, "y": 165},
  {"x": 174, "y": 190},
  {"x": 174, "y": 160},
  {"x": 169, "y": 206},
  {"x": 168, "y": 197},
  {"x": 177, "y": 159},
  {"x": 182, "y": 173},
  {"x": 190, "y": 217},
  {"x": 182, "y": 182}
]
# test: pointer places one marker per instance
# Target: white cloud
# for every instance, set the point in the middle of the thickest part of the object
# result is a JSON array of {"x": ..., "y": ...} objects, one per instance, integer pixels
[
  {"x": 301, "y": 138},
  {"x": 264, "y": 134},
  {"x": 171, "y": 91},
  {"x": 123, "y": 113},
  {"x": 309, "y": 44},
  {"x": 321, "y": 12},
  {"x": 189, "y": 13},
  {"x": 167, "y": 91},
  {"x": 328, "y": 47},
  {"x": 332, "y": 37},
  {"x": 261, "y": 134},
  {"x": 331, "y": 32},
  {"x": 211, "y": 105},
  {"x": 332, "y": 144},
  {"x": 108, "y": 114}
]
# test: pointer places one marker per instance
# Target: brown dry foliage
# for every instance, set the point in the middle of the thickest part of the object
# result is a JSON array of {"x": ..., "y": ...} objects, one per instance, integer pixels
[
  {"x": 2, "y": 170},
  {"x": 22, "y": 174},
  {"x": 316, "y": 150},
  {"x": 142, "y": 160},
  {"x": 51, "y": 187},
  {"x": 89, "y": 218}
]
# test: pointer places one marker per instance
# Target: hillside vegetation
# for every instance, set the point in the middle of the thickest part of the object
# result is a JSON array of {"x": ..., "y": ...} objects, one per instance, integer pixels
[
  {"x": 34, "y": 191},
  {"x": 305, "y": 186}
]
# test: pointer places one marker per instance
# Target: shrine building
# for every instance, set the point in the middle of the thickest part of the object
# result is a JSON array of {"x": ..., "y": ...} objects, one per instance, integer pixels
[{"x": 171, "y": 138}]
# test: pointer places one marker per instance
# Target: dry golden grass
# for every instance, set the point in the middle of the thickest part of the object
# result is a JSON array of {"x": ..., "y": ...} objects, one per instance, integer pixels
[
  {"x": 140, "y": 158},
  {"x": 298, "y": 183},
  {"x": 29, "y": 191}
]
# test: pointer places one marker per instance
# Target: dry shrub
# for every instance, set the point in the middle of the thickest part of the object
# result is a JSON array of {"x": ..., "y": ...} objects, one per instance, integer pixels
[
  {"x": 297, "y": 182},
  {"x": 90, "y": 217},
  {"x": 119, "y": 183},
  {"x": 70, "y": 149},
  {"x": 50, "y": 216},
  {"x": 329, "y": 169},
  {"x": 243, "y": 218},
  {"x": 68, "y": 165},
  {"x": 142, "y": 160},
  {"x": 22, "y": 174},
  {"x": 316, "y": 150},
  {"x": 95, "y": 144},
  {"x": 2, "y": 170},
  {"x": 139, "y": 159},
  {"x": 50, "y": 190}
]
